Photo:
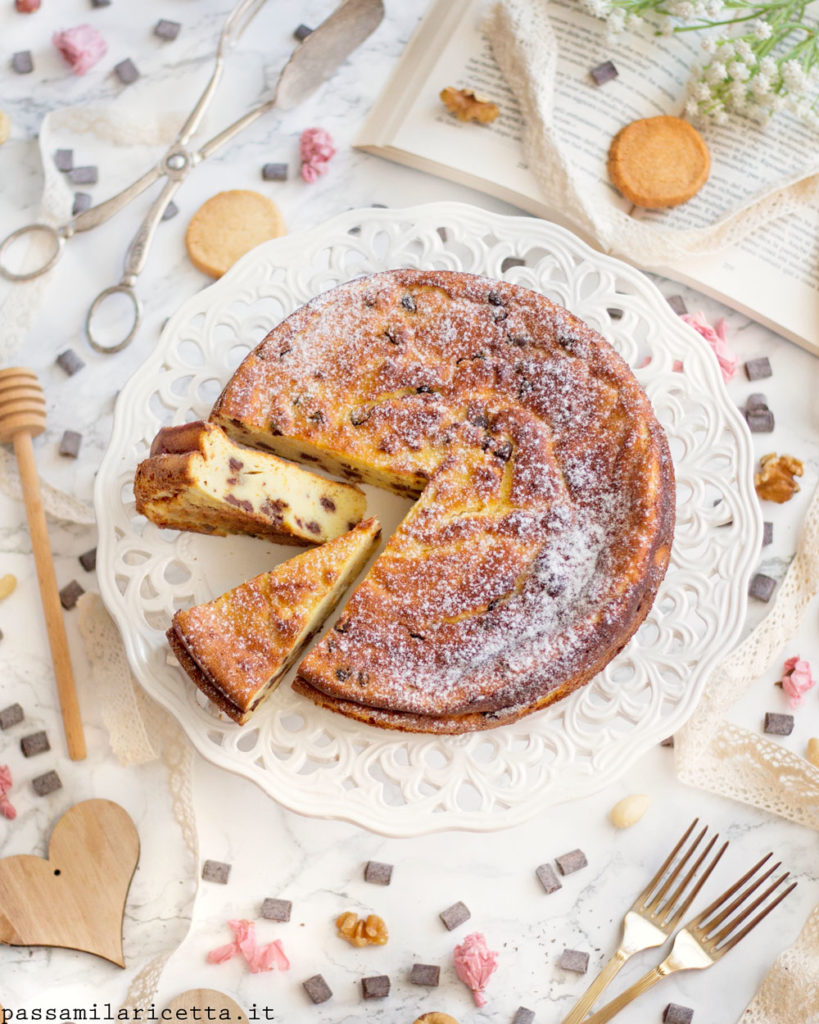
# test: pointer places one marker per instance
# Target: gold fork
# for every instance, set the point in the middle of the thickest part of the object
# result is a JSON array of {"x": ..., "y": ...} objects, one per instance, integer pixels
[
  {"x": 701, "y": 942},
  {"x": 655, "y": 913}
]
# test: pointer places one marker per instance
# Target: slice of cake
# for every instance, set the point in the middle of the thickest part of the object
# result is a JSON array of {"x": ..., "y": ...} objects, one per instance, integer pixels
[
  {"x": 238, "y": 647},
  {"x": 197, "y": 479}
]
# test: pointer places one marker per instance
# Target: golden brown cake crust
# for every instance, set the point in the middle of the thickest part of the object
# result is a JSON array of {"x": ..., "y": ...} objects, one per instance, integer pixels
[{"x": 546, "y": 519}]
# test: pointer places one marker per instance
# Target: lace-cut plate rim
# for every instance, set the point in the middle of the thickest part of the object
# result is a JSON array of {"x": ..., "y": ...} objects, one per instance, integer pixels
[{"x": 320, "y": 764}]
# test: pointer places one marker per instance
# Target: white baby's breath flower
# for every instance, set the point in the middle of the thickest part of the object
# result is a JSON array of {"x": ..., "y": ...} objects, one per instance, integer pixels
[
  {"x": 745, "y": 52},
  {"x": 617, "y": 21},
  {"x": 692, "y": 108},
  {"x": 768, "y": 67},
  {"x": 708, "y": 44},
  {"x": 701, "y": 91},
  {"x": 760, "y": 86},
  {"x": 737, "y": 91},
  {"x": 726, "y": 49},
  {"x": 716, "y": 72},
  {"x": 738, "y": 71},
  {"x": 714, "y": 9},
  {"x": 762, "y": 30},
  {"x": 794, "y": 77},
  {"x": 720, "y": 116}
]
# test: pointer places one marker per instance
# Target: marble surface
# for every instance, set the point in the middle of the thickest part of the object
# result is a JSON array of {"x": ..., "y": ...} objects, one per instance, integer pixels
[{"x": 318, "y": 864}]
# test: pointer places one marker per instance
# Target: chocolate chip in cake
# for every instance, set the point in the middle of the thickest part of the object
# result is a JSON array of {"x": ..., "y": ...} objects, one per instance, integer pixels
[
  {"x": 70, "y": 362},
  {"x": 22, "y": 63},
  {"x": 88, "y": 175},
  {"x": 376, "y": 987},
  {"x": 275, "y": 172},
  {"x": 455, "y": 915},
  {"x": 603, "y": 73},
  {"x": 82, "y": 202},
  {"x": 35, "y": 743},
  {"x": 676, "y": 1014},
  {"x": 442, "y": 234},
  {"x": 574, "y": 960},
  {"x": 428, "y": 975},
  {"x": 512, "y": 261},
  {"x": 166, "y": 29},
  {"x": 64, "y": 159},
  {"x": 317, "y": 989},
  {"x": 523, "y": 1016},
  {"x": 216, "y": 871},
  {"x": 377, "y": 873},
  {"x": 408, "y": 302},
  {"x": 88, "y": 560},
  {"x": 547, "y": 878},
  {"x": 767, "y": 534},
  {"x": 777, "y": 724},
  {"x": 762, "y": 587},
  {"x": 574, "y": 860},
  {"x": 760, "y": 421},
  {"x": 171, "y": 211},
  {"x": 302, "y": 32},
  {"x": 758, "y": 369},
  {"x": 615, "y": 313},
  {"x": 70, "y": 594},
  {"x": 126, "y": 71},
  {"x": 70, "y": 444},
  {"x": 677, "y": 303},
  {"x": 45, "y": 784},
  {"x": 12, "y": 715},
  {"x": 276, "y": 910},
  {"x": 667, "y": 742}
]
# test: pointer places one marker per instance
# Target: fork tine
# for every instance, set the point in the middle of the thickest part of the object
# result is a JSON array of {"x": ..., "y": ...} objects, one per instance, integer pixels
[
  {"x": 686, "y": 903},
  {"x": 746, "y": 911},
  {"x": 655, "y": 902},
  {"x": 710, "y": 925},
  {"x": 641, "y": 899},
  {"x": 755, "y": 921},
  {"x": 709, "y": 910}
]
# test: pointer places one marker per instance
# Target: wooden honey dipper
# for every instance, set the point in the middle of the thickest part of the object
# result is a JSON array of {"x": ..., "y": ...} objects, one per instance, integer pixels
[{"x": 23, "y": 416}]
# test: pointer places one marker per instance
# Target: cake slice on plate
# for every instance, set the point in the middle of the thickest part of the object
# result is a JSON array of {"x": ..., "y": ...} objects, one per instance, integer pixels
[
  {"x": 197, "y": 479},
  {"x": 238, "y": 647}
]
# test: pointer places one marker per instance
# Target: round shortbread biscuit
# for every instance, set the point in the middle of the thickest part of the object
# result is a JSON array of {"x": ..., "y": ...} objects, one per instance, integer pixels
[
  {"x": 658, "y": 162},
  {"x": 227, "y": 226},
  {"x": 435, "y": 1017}
]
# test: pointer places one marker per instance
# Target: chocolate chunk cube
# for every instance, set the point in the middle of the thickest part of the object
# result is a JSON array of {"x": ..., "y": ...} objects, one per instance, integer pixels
[
  {"x": 64, "y": 159},
  {"x": 758, "y": 369},
  {"x": 45, "y": 784},
  {"x": 70, "y": 444},
  {"x": 88, "y": 175},
  {"x": 547, "y": 878},
  {"x": 35, "y": 743},
  {"x": 302, "y": 32},
  {"x": 760, "y": 421},
  {"x": 603, "y": 73},
  {"x": 377, "y": 873},
  {"x": 510, "y": 262},
  {"x": 574, "y": 860},
  {"x": 676, "y": 1014},
  {"x": 100, "y": 3},
  {"x": 376, "y": 987},
  {"x": 12, "y": 715},
  {"x": 317, "y": 989},
  {"x": 443, "y": 235},
  {"x": 276, "y": 910},
  {"x": 677, "y": 303},
  {"x": 88, "y": 560},
  {"x": 274, "y": 172},
  {"x": 167, "y": 29},
  {"x": 756, "y": 401},
  {"x": 70, "y": 594},
  {"x": 667, "y": 742},
  {"x": 523, "y": 1016},
  {"x": 615, "y": 313},
  {"x": 455, "y": 915},
  {"x": 22, "y": 63},
  {"x": 778, "y": 725},
  {"x": 171, "y": 211},
  {"x": 126, "y": 71},
  {"x": 82, "y": 202},
  {"x": 574, "y": 960},
  {"x": 767, "y": 534},
  {"x": 425, "y": 974},
  {"x": 762, "y": 587},
  {"x": 216, "y": 871},
  {"x": 70, "y": 362}
]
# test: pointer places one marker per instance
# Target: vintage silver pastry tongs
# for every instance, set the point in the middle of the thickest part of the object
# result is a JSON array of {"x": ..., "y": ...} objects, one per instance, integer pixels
[{"x": 312, "y": 63}]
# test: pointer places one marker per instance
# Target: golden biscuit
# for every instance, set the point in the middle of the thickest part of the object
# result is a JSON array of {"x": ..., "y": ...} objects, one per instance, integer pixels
[
  {"x": 227, "y": 226},
  {"x": 435, "y": 1017},
  {"x": 658, "y": 162}
]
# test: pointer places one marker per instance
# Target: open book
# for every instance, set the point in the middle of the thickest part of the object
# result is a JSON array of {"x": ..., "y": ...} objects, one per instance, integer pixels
[{"x": 771, "y": 276}]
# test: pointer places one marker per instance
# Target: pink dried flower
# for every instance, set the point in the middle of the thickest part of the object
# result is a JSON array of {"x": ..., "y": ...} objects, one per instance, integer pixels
[
  {"x": 716, "y": 338},
  {"x": 27, "y": 6},
  {"x": 797, "y": 680},
  {"x": 474, "y": 964},
  {"x": 6, "y": 808},
  {"x": 82, "y": 47},
  {"x": 316, "y": 149},
  {"x": 258, "y": 958}
]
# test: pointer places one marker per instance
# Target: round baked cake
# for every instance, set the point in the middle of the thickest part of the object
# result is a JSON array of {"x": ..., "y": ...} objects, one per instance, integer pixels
[{"x": 545, "y": 487}]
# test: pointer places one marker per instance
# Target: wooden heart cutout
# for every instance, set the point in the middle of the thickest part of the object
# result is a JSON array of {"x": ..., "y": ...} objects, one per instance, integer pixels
[
  {"x": 76, "y": 898},
  {"x": 220, "y": 1006}
]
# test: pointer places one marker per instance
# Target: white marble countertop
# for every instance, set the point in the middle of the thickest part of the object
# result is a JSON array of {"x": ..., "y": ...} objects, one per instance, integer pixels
[{"x": 318, "y": 864}]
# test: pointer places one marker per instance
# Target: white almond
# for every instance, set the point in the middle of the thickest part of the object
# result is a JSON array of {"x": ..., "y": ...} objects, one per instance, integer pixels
[
  {"x": 7, "y": 585},
  {"x": 813, "y": 751},
  {"x": 629, "y": 810}
]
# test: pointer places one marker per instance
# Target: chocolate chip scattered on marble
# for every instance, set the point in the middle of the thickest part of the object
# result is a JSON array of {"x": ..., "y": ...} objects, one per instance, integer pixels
[
  {"x": 22, "y": 63},
  {"x": 574, "y": 860},
  {"x": 777, "y": 724},
  {"x": 88, "y": 560},
  {"x": 302, "y": 32},
  {"x": 70, "y": 362},
  {"x": 70, "y": 444},
  {"x": 88, "y": 175},
  {"x": 762, "y": 587},
  {"x": 376, "y": 987},
  {"x": 428, "y": 975},
  {"x": 216, "y": 871},
  {"x": 12, "y": 715},
  {"x": 523, "y": 1016},
  {"x": 758, "y": 369},
  {"x": 34, "y": 743},
  {"x": 170, "y": 211},
  {"x": 70, "y": 594},
  {"x": 377, "y": 873},
  {"x": 676, "y": 1014},
  {"x": 82, "y": 202},
  {"x": 126, "y": 71},
  {"x": 276, "y": 910},
  {"x": 547, "y": 878},
  {"x": 166, "y": 29},
  {"x": 677, "y": 303},
  {"x": 64, "y": 159},
  {"x": 604, "y": 72},
  {"x": 317, "y": 989},
  {"x": 455, "y": 915},
  {"x": 574, "y": 960},
  {"x": 767, "y": 534},
  {"x": 45, "y": 784},
  {"x": 274, "y": 172}
]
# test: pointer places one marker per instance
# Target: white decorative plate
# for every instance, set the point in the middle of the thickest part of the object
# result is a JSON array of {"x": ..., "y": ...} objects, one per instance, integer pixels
[{"x": 319, "y": 763}]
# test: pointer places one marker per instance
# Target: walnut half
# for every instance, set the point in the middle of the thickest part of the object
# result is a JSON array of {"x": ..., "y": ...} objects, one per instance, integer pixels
[
  {"x": 775, "y": 479},
  {"x": 468, "y": 106},
  {"x": 362, "y": 931}
]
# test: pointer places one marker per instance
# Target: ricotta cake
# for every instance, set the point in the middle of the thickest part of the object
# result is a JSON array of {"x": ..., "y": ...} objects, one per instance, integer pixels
[
  {"x": 238, "y": 647},
  {"x": 545, "y": 488},
  {"x": 197, "y": 479}
]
